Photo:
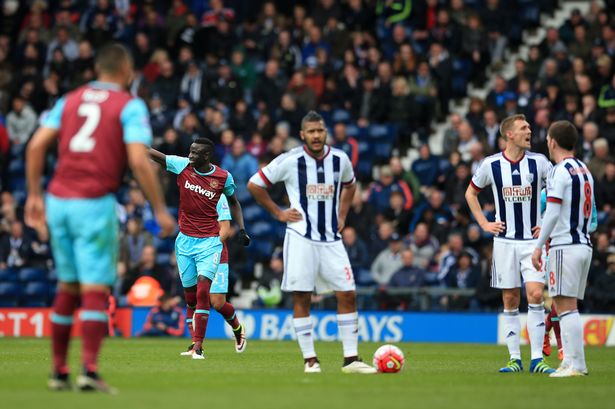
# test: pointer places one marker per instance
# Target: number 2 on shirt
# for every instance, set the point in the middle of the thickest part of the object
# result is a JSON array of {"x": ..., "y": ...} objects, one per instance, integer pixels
[{"x": 82, "y": 141}]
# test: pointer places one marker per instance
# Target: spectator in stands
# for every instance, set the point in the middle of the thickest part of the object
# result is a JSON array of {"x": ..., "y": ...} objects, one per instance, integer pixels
[
  {"x": 388, "y": 261},
  {"x": 242, "y": 165},
  {"x": 426, "y": 167},
  {"x": 474, "y": 47},
  {"x": 400, "y": 173},
  {"x": 451, "y": 257},
  {"x": 397, "y": 213},
  {"x": 490, "y": 129},
  {"x": 241, "y": 120},
  {"x": 148, "y": 267},
  {"x": 358, "y": 255},
  {"x": 607, "y": 127},
  {"x": 465, "y": 275},
  {"x": 381, "y": 190},
  {"x": 496, "y": 98},
  {"x": 442, "y": 67},
  {"x": 16, "y": 247},
  {"x": 456, "y": 185},
  {"x": 346, "y": 143},
  {"x": 167, "y": 84},
  {"x": 132, "y": 243},
  {"x": 603, "y": 290},
  {"x": 451, "y": 134},
  {"x": 597, "y": 164},
  {"x": 21, "y": 121},
  {"x": 424, "y": 247},
  {"x": 605, "y": 188},
  {"x": 361, "y": 215},
  {"x": 166, "y": 320},
  {"x": 467, "y": 138},
  {"x": 408, "y": 276}
]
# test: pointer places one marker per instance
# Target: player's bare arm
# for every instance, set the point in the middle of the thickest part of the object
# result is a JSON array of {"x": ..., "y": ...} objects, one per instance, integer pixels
[
  {"x": 35, "y": 161},
  {"x": 345, "y": 202},
  {"x": 225, "y": 230},
  {"x": 158, "y": 157},
  {"x": 144, "y": 173},
  {"x": 237, "y": 214},
  {"x": 262, "y": 197},
  {"x": 490, "y": 227}
]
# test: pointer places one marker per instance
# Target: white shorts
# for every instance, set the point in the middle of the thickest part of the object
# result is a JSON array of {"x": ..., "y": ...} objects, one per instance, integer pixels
[
  {"x": 312, "y": 265},
  {"x": 568, "y": 269},
  {"x": 512, "y": 260}
]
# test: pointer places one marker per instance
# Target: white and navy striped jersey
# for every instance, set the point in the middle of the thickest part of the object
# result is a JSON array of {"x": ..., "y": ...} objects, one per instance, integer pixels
[
  {"x": 313, "y": 186},
  {"x": 516, "y": 191},
  {"x": 571, "y": 184}
]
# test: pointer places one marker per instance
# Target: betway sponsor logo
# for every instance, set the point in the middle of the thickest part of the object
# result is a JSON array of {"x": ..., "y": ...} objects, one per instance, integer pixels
[
  {"x": 280, "y": 327},
  {"x": 198, "y": 189}
]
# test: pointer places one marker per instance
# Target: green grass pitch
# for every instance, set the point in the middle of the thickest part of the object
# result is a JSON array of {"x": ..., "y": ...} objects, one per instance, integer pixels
[{"x": 151, "y": 374}]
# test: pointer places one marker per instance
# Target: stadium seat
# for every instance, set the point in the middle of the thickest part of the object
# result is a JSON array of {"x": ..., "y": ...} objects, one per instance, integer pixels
[
  {"x": 261, "y": 229},
  {"x": 352, "y": 131},
  {"x": 28, "y": 274},
  {"x": 253, "y": 213},
  {"x": 382, "y": 150},
  {"x": 9, "y": 274},
  {"x": 35, "y": 294},
  {"x": 166, "y": 245},
  {"x": 163, "y": 259},
  {"x": 9, "y": 294},
  {"x": 340, "y": 115}
]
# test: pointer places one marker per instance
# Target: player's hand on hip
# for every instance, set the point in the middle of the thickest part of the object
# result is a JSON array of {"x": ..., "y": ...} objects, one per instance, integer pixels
[
  {"x": 244, "y": 239},
  {"x": 166, "y": 222},
  {"x": 290, "y": 215},
  {"x": 341, "y": 223},
  {"x": 494, "y": 227},
  {"x": 536, "y": 232},
  {"x": 537, "y": 259},
  {"x": 34, "y": 211}
]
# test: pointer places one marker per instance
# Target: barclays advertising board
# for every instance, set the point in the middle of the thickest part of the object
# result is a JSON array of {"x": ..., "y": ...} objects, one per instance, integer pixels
[{"x": 373, "y": 326}]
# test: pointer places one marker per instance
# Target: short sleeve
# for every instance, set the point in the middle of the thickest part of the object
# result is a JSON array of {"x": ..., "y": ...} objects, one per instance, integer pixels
[
  {"x": 54, "y": 117},
  {"x": 481, "y": 178},
  {"x": 347, "y": 174},
  {"x": 223, "y": 210},
  {"x": 556, "y": 184},
  {"x": 548, "y": 167},
  {"x": 135, "y": 122},
  {"x": 229, "y": 185},
  {"x": 274, "y": 171},
  {"x": 176, "y": 164}
]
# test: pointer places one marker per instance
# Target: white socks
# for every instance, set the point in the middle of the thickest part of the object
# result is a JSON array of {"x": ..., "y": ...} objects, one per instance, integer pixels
[
  {"x": 348, "y": 328},
  {"x": 512, "y": 325},
  {"x": 536, "y": 328},
  {"x": 572, "y": 339},
  {"x": 303, "y": 330}
]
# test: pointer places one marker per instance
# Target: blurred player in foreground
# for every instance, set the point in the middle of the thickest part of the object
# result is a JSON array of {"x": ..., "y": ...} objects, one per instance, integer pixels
[
  {"x": 320, "y": 184},
  {"x": 198, "y": 247},
  {"x": 100, "y": 128},
  {"x": 570, "y": 203}
]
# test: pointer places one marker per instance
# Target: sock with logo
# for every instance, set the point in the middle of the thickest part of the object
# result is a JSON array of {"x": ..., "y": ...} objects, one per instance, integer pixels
[
  {"x": 536, "y": 328},
  {"x": 64, "y": 306},
  {"x": 303, "y": 330},
  {"x": 512, "y": 328},
  {"x": 572, "y": 339},
  {"x": 348, "y": 327}
]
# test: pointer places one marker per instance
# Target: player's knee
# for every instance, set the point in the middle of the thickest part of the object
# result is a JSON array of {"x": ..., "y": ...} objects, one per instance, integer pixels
[
  {"x": 217, "y": 304},
  {"x": 534, "y": 296},
  {"x": 511, "y": 300}
]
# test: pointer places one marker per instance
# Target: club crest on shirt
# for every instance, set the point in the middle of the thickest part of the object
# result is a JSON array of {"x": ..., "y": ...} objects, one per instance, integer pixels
[
  {"x": 529, "y": 177},
  {"x": 213, "y": 184}
]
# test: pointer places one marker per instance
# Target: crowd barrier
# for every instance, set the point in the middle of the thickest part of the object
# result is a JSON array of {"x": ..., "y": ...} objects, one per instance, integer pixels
[{"x": 376, "y": 326}]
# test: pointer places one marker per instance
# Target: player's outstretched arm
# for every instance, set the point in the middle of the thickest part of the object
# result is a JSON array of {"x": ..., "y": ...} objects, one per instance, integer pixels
[
  {"x": 35, "y": 162},
  {"x": 472, "y": 199},
  {"x": 225, "y": 229},
  {"x": 262, "y": 197},
  {"x": 144, "y": 173},
  {"x": 158, "y": 157},
  {"x": 345, "y": 201}
]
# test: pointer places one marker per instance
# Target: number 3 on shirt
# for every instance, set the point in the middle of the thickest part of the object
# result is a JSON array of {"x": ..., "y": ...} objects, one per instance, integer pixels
[
  {"x": 587, "y": 204},
  {"x": 82, "y": 141}
]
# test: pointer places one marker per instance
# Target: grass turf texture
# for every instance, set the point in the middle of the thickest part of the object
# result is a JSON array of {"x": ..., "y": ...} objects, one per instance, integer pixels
[{"x": 151, "y": 374}]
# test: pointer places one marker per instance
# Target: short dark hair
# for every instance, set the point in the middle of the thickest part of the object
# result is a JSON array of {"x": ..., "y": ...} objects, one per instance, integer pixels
[
  {"x": 311, "y": 116},
  {"x": 205, "y": 141},
  {"x": 565, "y": 134},
  {"x": 111, "y": 58}
]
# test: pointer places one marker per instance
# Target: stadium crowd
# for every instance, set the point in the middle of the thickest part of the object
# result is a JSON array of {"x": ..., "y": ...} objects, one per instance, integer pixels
[{"x": 244, "y": 73}]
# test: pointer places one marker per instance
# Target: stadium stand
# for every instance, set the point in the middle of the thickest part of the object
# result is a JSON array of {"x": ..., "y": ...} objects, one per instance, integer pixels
[{"x": 441, "y": 78}]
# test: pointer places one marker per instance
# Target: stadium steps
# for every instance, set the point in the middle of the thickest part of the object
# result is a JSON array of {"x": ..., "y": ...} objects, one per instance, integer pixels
[{"x": 530, "y": 37}]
